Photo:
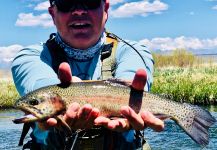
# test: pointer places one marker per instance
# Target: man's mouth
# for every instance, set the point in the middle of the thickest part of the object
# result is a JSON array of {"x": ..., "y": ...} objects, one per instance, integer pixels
[{"x": 80, "y": 25}]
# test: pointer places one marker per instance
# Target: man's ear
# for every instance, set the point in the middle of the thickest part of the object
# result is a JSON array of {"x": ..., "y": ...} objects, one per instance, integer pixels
[
  {"x": 51, "y": 12},
  {"x": 106, "y": 8},
  {"x": 106, "y": 5}
]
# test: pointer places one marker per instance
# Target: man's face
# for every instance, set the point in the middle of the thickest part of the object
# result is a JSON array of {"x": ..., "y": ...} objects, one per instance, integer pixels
[{"x": 80, "y": 28}]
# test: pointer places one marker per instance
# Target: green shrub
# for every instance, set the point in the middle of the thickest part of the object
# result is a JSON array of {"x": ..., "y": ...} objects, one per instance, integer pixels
[
  {"x": 8, "y": 94},
  {"x": 192, "y": 85},
  {"x": 177, "y": 58}
]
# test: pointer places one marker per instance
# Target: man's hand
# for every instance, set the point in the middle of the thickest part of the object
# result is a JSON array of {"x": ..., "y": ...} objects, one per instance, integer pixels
[
  {"x": 77, "y": 117},
  {"x": 87, "y": 116}
]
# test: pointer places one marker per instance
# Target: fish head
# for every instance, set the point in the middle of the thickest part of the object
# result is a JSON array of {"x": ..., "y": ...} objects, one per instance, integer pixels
[{"x": 39, "y": 106}]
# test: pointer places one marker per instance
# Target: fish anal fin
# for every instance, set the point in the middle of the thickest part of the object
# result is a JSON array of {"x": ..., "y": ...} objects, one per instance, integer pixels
[{"x": 162, "y": 116}]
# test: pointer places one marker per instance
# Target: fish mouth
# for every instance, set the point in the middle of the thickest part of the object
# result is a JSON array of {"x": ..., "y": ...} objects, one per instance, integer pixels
[
  {"x": 32, "y": 114},
  {"x": 25, "y": 119}
]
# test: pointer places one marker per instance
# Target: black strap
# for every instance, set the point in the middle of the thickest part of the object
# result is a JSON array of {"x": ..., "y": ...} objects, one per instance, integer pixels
[
  {"x": 106, "y": 51},
  {"x": 57, "y": 53}
]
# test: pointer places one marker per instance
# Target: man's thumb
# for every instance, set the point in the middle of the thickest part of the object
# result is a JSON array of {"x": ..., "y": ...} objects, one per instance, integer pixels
[{"x": 64, "y": 73}]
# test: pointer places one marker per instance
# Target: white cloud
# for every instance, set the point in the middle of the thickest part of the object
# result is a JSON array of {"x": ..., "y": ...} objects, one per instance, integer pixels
[
  {"x": 211, "y": 0},
  {"x": 8, "y": 53},
  {"x": 189, "y": 43},
  {"x": 29, "y": 19},
  {"x": 214, "y": 7},
  {"x": 192, "y": 13},
  {"x": 142, "y": 8},
  {"x": 114, "y": 2},
  {"x": 42, "y": 6}
]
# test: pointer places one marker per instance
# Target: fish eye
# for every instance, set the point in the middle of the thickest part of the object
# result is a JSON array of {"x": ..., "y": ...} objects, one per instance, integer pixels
[{"x": 34, "y": 102}]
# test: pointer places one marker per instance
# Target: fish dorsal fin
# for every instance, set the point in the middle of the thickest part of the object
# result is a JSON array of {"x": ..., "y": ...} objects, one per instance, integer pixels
[{"x": 119, "y": 82}]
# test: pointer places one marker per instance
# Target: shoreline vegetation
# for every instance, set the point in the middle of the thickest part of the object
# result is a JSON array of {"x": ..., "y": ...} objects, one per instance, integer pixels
[
  {"x": 180, "y": 76},
  {"x": 184, "y": 77}
]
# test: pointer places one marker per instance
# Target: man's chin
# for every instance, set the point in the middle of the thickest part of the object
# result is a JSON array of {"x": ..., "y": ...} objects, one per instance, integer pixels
[{"x": 82, "y": 41}]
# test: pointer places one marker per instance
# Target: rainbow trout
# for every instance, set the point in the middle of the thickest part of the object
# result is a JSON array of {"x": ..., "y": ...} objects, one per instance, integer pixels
[{"x": 108, "y": 96}]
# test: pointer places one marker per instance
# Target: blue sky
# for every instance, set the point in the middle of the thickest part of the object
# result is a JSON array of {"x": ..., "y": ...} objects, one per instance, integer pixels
[{"x": 159, "y": 24}]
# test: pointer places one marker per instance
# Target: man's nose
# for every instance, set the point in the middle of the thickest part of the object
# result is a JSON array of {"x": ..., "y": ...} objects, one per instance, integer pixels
[{"x": 79, "y": 9}]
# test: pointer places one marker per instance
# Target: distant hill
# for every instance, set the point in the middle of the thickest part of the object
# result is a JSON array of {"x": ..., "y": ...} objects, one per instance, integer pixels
[
  {"x": 5, "y": 65},
  {"x": 204, "y": 52},
  {"x": 195, "y": 52}
]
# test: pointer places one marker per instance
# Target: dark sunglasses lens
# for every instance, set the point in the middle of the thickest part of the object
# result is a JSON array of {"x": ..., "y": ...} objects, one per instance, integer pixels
[
  {"x": 64, "y": 5},
  {"x": 92, "y": 4},
  {"x": 67, "y": 5}
]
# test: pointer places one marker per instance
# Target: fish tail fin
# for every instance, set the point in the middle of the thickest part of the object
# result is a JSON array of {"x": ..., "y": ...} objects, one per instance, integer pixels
[{"x": 197, "y": 126}]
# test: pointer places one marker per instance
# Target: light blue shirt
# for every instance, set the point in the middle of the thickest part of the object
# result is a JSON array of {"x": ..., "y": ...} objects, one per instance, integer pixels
[{"x": 32, "y": 69}]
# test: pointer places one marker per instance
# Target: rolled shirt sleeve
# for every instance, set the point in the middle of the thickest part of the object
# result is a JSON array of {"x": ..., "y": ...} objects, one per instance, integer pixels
[{"x": 31, "y": 70}]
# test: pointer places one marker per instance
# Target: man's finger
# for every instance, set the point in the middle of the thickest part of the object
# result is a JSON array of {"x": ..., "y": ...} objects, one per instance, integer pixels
[
  {"x": 103, "y": 121},
  {"x": 71, "y": 114},
  {"x": 139, "y": 80},
  {"x": 64, "y": 73},
  {"x": 151, "y": 121},
  {"x": 134, "y": 119},
  {"x": 92, "y": 116},
  {"x": 76, "y": 79},
  {"x": 52, "y": 122},
  {"x": 119, "y": 125},
  {"x": 82, "y": 116}
]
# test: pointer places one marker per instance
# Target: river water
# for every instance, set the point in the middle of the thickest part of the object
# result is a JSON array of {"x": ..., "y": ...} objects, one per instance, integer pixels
[{"x": 172, "y": 138}]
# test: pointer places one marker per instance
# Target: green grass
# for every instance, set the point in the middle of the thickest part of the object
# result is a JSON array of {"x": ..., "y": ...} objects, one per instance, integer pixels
[
  {"x": 192, "y": 85},
  {"x": 8, "y": 94},
  {"x": 181, "y": 58},
  {"x": 184, "y": 77}
]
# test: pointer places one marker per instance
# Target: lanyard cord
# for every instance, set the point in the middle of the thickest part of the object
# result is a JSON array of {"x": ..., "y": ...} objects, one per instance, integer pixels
[{"x": 117, "y": 37}]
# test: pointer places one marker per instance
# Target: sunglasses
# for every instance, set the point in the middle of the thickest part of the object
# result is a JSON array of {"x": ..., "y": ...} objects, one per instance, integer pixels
[{"x": 69, "y": 5}]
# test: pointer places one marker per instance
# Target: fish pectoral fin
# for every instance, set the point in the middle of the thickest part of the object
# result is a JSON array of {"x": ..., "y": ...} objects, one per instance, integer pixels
[
  {"x": 64, "y": 124},
  {"x": 162, "y": 116}
]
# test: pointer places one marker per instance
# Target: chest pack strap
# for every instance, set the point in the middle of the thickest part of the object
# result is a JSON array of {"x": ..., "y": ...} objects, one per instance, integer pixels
[
  {"x": 108, "y": 57},
  {"x": 58, "y": 55}
]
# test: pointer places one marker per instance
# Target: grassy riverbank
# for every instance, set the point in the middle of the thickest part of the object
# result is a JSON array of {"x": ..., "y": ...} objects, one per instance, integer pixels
[
  {"x": 197, "y": 85},
  {"x": 8, "y": 93},
  {"x": 184, "y": 77}
]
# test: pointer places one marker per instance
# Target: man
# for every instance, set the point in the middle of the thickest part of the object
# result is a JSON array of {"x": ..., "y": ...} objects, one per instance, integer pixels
[{"x": 80, "y": 39}]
